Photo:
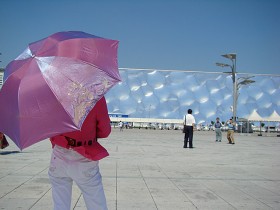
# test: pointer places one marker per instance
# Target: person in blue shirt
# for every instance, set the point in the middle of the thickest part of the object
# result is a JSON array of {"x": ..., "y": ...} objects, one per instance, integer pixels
[
  {"x": 230, "y": 132},
  {"x": 218, "y": 131}
]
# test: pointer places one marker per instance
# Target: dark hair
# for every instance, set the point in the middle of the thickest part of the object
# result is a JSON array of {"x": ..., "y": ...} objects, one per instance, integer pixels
[{"x": 189, "y": 111}]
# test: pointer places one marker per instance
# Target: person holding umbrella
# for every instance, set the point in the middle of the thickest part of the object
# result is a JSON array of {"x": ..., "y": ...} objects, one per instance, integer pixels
[
  {"x": 56, "y": 87},
  {"x": 75, "y": 158}
]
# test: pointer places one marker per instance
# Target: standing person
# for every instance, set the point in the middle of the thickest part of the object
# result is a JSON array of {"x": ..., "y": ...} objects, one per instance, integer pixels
[
  {"x": 189, "y": 122},
  {"x": 75, "y": 157},
  {"x": 218, "y": 131},
  {"x": 121, "y": 125},
  {"x": 230, "y": 132}
]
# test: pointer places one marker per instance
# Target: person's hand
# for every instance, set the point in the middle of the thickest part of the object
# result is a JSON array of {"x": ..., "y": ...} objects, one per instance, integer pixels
[{"x": 1, "y": 139}]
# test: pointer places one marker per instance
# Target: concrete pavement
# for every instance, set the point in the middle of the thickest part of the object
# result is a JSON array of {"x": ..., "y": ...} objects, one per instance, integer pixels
[{"x": 150, "y": 170}]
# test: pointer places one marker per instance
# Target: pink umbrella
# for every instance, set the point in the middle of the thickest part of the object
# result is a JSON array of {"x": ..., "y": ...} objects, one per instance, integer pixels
[{"x": 50, "y": 88}]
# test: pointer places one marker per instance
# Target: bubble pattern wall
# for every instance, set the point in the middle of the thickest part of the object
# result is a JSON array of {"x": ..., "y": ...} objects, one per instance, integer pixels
[{"x": 168, "y": 94}]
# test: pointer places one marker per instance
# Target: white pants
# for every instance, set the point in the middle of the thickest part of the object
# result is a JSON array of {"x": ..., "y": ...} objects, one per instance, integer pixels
[{"x": 67, "y": 166}]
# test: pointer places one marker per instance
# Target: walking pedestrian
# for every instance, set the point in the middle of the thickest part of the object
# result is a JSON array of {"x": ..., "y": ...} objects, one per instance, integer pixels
[{"x": 230, "y": 132}]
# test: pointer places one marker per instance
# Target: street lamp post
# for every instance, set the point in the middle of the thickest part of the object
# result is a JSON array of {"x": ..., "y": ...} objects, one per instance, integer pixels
[
  {"x": 232, "y": 57},
  {"x": 237, "y": 83},
  {"x": 242, "y": 81}
]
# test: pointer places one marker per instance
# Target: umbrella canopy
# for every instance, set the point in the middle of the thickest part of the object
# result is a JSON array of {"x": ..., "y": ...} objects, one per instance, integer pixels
[{"x": 50, "y": 88}]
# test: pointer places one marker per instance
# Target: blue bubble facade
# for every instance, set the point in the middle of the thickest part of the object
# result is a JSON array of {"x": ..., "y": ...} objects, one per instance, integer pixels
[{"x": 168, "y": 94}]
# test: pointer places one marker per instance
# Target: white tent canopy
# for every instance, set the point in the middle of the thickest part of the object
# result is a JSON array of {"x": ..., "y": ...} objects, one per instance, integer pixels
[
  {"x": 254, "y": 116},
  {"x": 274, "y": 117}
]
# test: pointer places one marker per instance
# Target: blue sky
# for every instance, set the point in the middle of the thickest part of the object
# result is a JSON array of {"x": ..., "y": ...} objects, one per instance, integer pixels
[{"x": 155, "y": 34}]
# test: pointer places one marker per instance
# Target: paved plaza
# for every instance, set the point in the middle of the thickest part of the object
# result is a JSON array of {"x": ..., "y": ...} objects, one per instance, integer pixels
[{"x": 150, "y": 170}]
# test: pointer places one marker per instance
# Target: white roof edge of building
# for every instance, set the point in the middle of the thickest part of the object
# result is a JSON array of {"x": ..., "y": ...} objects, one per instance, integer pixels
[{"x": 145, "y": 120}]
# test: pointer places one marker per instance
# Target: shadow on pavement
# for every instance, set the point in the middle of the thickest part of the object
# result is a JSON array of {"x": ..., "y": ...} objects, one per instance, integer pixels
[{"x": 9, "y": 152}]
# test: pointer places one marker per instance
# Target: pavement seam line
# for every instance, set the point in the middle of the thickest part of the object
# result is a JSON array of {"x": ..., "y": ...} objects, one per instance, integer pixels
[
  {"x": 249, "y": 195},
  {"x": 75, "y": 205},
  {"x": 22, "y": 183},
  {"x": 18, "y": 169},
  {"x": 184, "y": 194},
  {"x": 40, "y": 198},
  {"x": 147, "y": 186}
]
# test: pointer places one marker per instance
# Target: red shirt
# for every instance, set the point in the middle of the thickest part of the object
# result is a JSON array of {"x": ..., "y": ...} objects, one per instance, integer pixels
[{"x": 96, "y": 125}]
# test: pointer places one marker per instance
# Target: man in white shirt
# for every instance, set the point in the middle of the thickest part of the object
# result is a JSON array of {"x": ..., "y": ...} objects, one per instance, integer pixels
[
  {"x": 189, "y": 122},
  {"x": 121, "y": 126}
]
